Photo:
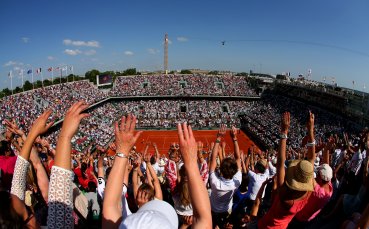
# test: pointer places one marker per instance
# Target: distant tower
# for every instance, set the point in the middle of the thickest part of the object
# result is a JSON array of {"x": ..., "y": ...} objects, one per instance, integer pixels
[{"x": 166, "y": 54}]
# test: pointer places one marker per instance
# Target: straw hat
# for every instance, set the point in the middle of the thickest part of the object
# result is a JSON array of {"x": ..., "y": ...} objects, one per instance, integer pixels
[{"x": 299, "y": 175}]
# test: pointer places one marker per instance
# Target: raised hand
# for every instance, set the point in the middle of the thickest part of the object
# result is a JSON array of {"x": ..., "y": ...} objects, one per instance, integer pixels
[
  {"x": 310, "y": 123},
  {"x": 73, "y": 118},
  {"x": 285, "y": 123},
  {"x": 40, "y": 125},
  {"x": 222, "y": 130},
  {"x": 234, "y": 133},
  {"x": 125, "y": 136},
  {"x": 13, "y": 127},
  {"x": 187, "y": 143}
]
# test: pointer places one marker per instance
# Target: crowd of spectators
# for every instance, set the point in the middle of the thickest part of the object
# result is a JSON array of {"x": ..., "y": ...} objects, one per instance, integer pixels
[
  {"x": 184, "y": 85},
  {"x": 323, "y": 184},
  {"x": 262, "y": 122},
  {"x": 88, "y": 174}
]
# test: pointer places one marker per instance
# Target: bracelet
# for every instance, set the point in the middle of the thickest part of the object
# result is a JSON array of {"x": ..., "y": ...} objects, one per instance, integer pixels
[
  {"x": 310, "y": 144},
  {"x": 283, "y": 136},
  {"x": 217, "y": 141},
  {"x": 121, "y": 155},
  {"x": 235, "y": 140}
]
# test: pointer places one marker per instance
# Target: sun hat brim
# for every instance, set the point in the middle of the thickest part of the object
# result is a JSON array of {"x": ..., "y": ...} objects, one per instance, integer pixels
[{"x": 293, "y": 183}]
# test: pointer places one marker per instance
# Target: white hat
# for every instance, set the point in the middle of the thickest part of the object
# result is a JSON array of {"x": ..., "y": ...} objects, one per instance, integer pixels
[
  {"x": 325, "y": 172},
  {"x": 154, "y": 214}
]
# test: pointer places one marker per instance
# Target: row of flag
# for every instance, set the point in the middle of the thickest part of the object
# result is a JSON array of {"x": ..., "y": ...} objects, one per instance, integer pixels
[{"x": 39, "y": 70}]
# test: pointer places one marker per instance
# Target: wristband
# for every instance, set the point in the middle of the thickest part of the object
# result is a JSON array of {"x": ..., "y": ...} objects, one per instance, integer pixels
[
  {"x": 310, "y": 144},
  {"x": 121, "y": 155},
  {"x": 234, "y": 140},
  {"x": 283, "y": 136},
  {"x": 217, "y": 141}
]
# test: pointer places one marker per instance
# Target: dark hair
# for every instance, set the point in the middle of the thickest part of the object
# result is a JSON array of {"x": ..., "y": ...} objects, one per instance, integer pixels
[
  {"x": 8, "y": 216},
  {"x": 92, "y": 186},
  {"x": 228, "y": 168},
  {"x": 5, "y": 147},
  {"x": 260, "y": 167},
  {"x": 152, "y": 160}
]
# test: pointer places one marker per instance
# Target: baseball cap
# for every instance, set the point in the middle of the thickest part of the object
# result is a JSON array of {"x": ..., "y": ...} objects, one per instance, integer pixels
[
  {"x": 154, "y": 214},
  {"x": 325, "y": 172}
]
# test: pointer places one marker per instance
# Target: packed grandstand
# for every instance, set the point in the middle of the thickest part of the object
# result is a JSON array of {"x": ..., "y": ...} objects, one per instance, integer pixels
[{"x": 218, "y": 102}]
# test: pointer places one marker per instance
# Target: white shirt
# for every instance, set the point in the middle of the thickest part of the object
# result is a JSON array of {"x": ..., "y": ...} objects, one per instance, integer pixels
[
  {"x": 101, "y": 189},
  {"x": 222, "y": 191},
  {"x": 272, "y": 169},
  {"x": 255, "y": 182}
]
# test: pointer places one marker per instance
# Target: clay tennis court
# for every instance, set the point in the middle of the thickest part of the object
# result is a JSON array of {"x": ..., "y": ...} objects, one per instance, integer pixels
[{"x": 163, "y": 139}]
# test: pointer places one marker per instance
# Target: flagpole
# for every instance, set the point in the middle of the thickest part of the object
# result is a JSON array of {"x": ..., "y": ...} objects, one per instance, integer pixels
[
  {"x": 66, "y": 72},
  {"x": 61, "y": 74},
  {"x": 22, "y": 79},
  {"x": 52, "y": 75},
  {"x": 42, "y": 78},
  {"x": 33, "y": 83},
  {"x": 11, "y": 80},
  {"x": 72, "y": 72}
]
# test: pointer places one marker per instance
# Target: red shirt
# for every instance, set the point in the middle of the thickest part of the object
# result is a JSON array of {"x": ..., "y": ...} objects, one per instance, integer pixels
[
  {"x": 7, "y": 164},
  {"x": 278, "y": 216},
  {"x": 84, "y": 181}
]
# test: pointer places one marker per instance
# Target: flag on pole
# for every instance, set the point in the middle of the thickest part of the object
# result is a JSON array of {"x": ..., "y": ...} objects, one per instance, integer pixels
[
  {"x": 57, "y": 69},
  {"x": 10, "y": 74},
  {"x": 38, "y": 70},
  {"x": 50, "y": 69},
  {"x": 29, "y": 71},
  {"x": 71, "y": 68},
  {"x": 21, "y": 72},
  {"x": 65, "y": 68}
]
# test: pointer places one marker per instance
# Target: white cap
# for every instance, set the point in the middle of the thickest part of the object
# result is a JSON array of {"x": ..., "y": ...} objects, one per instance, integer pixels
[
  {"x": 154, "y": 214},
  {"x": 325, "y": 172}
]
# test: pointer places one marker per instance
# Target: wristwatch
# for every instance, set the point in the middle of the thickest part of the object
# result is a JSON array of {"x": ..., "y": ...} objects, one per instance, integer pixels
[
  {"x": 283, "y": 136},
  {"x": 121, "y": 155}
]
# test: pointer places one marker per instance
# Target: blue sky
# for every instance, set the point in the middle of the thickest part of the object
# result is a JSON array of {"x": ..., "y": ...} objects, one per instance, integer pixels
[{"x": 329, "y": 37}]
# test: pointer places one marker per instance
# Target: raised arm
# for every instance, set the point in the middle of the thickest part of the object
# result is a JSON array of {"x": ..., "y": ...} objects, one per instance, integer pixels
[
  {"x": 150, "y": 170},
  {"x": 125, "y": 138},
  {"x": 39, "y": 127},
  {"x": 237, "y": 157},
  {"x": 311, "y": 139},
  {"x": 214, "y": 153},
  {"x": 198, "y": 193},
  {"x": 60, "y": 190},
  {"x": 281, "y": 155}
]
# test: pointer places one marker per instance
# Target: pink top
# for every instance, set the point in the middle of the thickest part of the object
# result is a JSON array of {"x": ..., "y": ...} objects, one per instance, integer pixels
[
  {"x": 315, "y": 203},
  {"x": 7, "y": 164},
  {"x": 278, "y": 216},
  {"x": 171, "y": 174}
]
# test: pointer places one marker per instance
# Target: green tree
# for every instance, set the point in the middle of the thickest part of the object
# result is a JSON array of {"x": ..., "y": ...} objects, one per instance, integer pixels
[
  {"x": 91, "y": 75},
  {"x": 186, "y": 71},
  {"x": 130, "y": 71},
  {"x": 27, "y": 86},
  {"x": 213, "y": 73}
]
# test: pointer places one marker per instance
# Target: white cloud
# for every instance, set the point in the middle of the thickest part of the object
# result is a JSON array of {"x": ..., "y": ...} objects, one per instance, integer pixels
[
  {"x": 90, "y": 52},
  {"x": 182, "y": 39},
  {"x": 25, "y": 39},
  {"x": 81, "y": 43},
  {"x": 72, "y": 52},
  {"x": 128, "y": 53},
  {"x": 152, "y": 51},
  {"x": 51, "y": 58},
  {"x": 10, "y": 63}
]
